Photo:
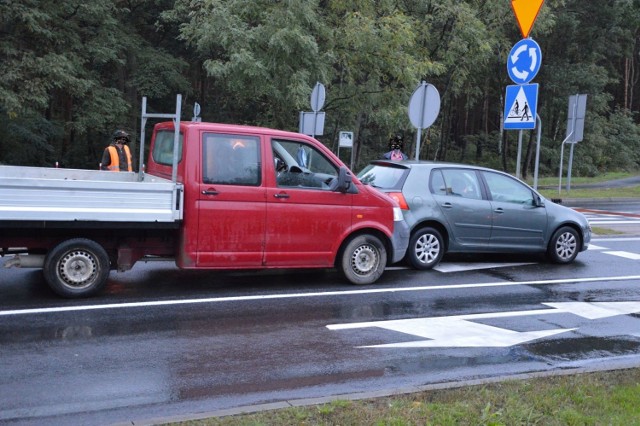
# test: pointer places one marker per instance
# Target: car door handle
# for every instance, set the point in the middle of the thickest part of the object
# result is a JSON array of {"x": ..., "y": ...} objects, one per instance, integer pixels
[
  {"x": 447, "y": 205},
  {"x": 209, "y": 192},
  {"x": 499, "y": 210},
  {"x": 281, "y": 195}
]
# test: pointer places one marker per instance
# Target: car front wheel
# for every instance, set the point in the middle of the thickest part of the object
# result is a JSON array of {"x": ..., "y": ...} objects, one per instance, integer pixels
[
  {"x": 426, "y": 248},
  {"x": 363, "y": 260},
  {"x": 564, "y": 245}
]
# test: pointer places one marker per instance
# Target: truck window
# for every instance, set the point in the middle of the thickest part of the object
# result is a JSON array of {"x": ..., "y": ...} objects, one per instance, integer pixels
[
  {"x": 300, "y": 165},
  {"x": 231, "y": 159},
  {"x": 163, "y": 147}
]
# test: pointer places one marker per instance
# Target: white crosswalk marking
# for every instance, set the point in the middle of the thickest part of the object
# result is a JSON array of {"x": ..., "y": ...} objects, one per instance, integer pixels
[{"x": 610, "y": 219}]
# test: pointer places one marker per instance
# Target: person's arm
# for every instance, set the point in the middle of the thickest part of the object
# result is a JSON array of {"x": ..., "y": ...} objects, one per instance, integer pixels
[{"x": 106, "y": 160}]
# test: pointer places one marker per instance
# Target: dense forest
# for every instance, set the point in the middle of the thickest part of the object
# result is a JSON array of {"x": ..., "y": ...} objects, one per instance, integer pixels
[{"x": 74, "y": 71}]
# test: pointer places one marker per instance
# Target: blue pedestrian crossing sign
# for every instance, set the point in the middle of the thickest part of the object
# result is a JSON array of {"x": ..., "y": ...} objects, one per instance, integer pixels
[
  {"x": 520, "y": 106},
  {"x": 524, "y": 60}
]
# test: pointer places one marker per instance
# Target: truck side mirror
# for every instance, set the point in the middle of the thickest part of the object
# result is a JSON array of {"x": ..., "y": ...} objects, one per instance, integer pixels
[{"x": 345, "y": 179}]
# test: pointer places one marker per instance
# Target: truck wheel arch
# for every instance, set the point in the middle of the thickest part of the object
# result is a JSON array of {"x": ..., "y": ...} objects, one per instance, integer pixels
[{"x": 77, "y": 267}]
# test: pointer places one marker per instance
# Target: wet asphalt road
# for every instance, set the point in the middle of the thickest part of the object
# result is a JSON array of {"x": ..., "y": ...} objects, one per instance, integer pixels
[{"x": 162, "y": 344}]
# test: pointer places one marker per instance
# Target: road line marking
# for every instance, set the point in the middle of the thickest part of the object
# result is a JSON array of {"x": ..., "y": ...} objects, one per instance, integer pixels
[
  {"x": 625, "y": 254},
  {"x": 616, "y": 239},
  {"x": 317, "y": 294},
  {"x": 614, "y": 222},
  {"x": 446, "y": 267}
]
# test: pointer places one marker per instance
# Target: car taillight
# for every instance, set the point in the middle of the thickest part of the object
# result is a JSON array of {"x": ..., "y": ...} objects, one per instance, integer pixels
[{"x": 400, "y": 199}]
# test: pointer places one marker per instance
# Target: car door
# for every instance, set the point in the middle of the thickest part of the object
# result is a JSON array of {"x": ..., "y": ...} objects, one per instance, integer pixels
[
  {"x": 460, "y": 198},
  {"x": 517, "y": 222},
  {"x": 231, "y": 204},
  {"x": 305, "y": 217}
]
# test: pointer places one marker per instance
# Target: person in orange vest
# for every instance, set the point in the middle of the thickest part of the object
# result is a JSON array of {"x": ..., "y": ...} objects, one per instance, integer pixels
[{"x": 117, "y": 156}]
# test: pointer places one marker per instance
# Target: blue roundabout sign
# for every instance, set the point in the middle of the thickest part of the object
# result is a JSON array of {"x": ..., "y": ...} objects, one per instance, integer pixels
[{"x": 524, "y": 61}]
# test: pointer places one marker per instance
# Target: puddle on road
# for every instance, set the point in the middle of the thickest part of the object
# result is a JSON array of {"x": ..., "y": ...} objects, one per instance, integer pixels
[{"x": 584, "y": 348}]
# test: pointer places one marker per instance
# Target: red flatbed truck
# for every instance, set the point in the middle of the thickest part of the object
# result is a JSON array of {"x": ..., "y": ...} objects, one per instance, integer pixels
[{"x": 222, "y": 197}]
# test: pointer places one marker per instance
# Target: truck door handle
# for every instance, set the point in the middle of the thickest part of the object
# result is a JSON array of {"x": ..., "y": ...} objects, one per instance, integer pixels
[
  {"x": 209, "y": 192},
  {"x": 281, "y": 195}
]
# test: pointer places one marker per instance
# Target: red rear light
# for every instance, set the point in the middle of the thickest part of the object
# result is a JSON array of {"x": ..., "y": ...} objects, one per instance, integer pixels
[{"x": 400, "y": 199}]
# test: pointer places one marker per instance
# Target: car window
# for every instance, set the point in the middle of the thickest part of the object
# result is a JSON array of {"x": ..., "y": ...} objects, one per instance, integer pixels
[
  {"x": 231, "y": 159},
  {"x": 506, "y": 189},
  {"x": 383, "y": 177},
  {"x": 461, "y": 183},
  {"x": 438, "y": 186},
  {"x": 298, "y": 165}
]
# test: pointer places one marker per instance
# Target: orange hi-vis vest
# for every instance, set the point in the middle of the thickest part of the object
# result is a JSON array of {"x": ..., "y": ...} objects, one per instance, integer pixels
[{"x": 114, "y": 166}]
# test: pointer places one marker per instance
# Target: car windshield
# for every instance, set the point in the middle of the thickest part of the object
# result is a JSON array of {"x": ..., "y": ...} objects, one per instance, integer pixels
[{"x": 381, "y": 176}]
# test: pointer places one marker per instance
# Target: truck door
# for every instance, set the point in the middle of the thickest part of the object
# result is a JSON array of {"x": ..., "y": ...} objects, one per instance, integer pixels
[
  {"x": 231, "y": 204},
  {"x": 305, "y": 217}
]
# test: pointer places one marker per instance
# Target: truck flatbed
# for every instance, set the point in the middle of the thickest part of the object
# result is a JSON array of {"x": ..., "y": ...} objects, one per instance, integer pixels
[{"x": 63, "y": 195}]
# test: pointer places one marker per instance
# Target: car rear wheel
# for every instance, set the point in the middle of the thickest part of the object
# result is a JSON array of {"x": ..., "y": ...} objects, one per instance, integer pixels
[
  {"x": 363, "y": 260},
  {"x": 77, "y": 268},
  {"x": 564, "y": 245},
  {"x": 426, "y": 248}
]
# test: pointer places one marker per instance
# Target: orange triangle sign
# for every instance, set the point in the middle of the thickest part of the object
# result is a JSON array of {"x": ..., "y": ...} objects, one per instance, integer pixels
[{"x": 526, "y": 12}]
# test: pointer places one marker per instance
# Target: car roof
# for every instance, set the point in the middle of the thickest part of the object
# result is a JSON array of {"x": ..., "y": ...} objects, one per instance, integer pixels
[{"x": 429, "y": 164}]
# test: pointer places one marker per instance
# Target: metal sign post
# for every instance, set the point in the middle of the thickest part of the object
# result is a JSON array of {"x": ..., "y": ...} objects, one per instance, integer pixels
[
  {"x": 424, "y": 107},
  {"x": 346, "y": 141},
  {"x": 312, "y": 123},
  {"x": 575, "y": 133}
]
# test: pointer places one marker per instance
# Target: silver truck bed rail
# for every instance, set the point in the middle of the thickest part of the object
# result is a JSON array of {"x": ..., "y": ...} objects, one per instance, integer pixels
[{"x": 51, "y": 194}]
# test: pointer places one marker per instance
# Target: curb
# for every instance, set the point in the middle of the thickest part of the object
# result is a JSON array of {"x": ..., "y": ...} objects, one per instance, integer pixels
[{"x": 567, "y": 370}]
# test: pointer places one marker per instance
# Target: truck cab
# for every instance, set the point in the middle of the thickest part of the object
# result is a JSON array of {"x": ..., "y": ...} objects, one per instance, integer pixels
[{"x": 258, "y": 198}]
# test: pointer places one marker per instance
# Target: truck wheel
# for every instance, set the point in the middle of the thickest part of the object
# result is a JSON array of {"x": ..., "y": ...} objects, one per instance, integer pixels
[
  {"x": 563, "y": 247},
  {"x": 426, "y": 248},
  {"x": 363, "y": 259},
  {"x": 76, "y": 268}
]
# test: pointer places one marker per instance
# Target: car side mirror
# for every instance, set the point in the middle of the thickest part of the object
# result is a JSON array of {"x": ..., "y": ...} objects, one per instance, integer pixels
[{"x": 537, "y": 200}]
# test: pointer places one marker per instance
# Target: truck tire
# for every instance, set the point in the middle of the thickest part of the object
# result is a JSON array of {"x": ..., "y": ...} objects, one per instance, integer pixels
[
  {"x": 426, "y": 248},
  {"x": 76, "y": 268},
  {"x": 363, "y": 259},
  {"x": 564, "y": 245}
]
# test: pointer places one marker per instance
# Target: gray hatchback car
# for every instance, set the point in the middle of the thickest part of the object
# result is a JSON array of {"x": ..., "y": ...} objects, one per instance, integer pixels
[{"x": 458, "y": 208}]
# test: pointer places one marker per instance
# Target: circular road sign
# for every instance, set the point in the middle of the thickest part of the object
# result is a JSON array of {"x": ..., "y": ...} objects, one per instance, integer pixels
[
  {"x": 524, "y": 61},
  {"x": 424, "y": 106},
  {"x": 317, "y": 97}
]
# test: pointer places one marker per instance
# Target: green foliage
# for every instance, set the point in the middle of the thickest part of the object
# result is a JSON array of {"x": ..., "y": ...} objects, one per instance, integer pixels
[{"x": 74, "y": 71}]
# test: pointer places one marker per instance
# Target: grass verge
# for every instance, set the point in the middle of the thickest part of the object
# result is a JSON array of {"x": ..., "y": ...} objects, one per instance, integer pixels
[
  {"x": 626, "y": 192},
  {"x": 600, "y": 398}
]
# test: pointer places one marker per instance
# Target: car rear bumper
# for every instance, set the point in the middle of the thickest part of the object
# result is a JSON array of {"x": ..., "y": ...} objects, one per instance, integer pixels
[{"x": 399, "y": 240}]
